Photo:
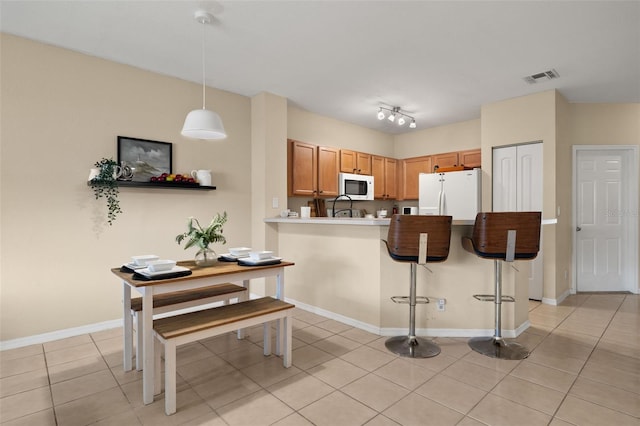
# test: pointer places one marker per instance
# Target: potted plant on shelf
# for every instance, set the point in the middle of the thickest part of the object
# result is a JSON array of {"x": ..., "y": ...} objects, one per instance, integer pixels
[
  {"x": 103, "y": 180},
  {"x": 202, "y": 237}
]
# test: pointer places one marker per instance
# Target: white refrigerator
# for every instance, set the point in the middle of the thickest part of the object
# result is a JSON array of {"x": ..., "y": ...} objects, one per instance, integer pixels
[{"x": 456, "y": 194}]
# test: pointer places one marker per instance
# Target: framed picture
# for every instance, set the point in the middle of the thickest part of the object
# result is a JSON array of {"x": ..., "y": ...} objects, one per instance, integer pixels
[{"x": 146, "y": 158}]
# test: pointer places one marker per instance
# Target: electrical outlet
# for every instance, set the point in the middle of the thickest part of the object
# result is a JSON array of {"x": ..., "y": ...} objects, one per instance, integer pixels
[
  {"x": 275, "y": 202},
  {"x": 440, "y": 304}
]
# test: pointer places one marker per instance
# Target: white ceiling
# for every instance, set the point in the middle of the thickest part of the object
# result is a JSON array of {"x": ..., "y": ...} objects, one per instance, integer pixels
[{"x": 439, "y": 61}]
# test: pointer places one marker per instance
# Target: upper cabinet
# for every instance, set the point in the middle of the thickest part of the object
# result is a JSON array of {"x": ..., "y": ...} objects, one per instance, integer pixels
[
  {"x": 313, "y": 170},
  {"x": 409, "y": 170},
  {"x": 355, "y": 162},
  {"x": 385, "y": 173},
  {"x": 448, "y": 159},
  {"x": 470, "y": 159}
]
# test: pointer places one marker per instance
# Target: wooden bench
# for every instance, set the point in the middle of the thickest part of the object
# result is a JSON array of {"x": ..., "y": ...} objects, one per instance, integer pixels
[
  {"x": 168, "y": 302},
  {"x": 186, "y": 328}
]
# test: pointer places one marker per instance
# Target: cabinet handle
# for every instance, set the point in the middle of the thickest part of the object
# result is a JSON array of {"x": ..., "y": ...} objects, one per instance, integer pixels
[
  {"x": 320, "y": 192},
  {"x": 359, "y": 170}
]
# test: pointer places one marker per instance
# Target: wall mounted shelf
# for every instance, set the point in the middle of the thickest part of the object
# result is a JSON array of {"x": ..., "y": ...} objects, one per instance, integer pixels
[{"x": 162, "y": 185}]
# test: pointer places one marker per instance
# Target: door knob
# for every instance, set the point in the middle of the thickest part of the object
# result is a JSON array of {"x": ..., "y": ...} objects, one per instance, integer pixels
[{"x": 578, "y": 228}]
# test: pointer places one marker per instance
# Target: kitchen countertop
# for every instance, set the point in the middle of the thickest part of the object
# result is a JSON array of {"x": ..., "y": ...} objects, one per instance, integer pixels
[{"x": 360, "y": 221}]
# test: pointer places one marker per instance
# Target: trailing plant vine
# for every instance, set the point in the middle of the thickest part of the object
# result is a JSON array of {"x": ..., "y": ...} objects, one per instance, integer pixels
[{"x": 106, "y": 186}]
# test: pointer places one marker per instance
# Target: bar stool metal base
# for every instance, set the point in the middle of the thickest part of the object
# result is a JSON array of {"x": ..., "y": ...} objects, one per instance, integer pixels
[
  {"x": 498, "y": 348},
  {"x": 412, "y": 347}
]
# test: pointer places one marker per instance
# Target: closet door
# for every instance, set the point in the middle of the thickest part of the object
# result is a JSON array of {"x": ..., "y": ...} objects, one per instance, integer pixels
[{"x": 517, "y": 186}]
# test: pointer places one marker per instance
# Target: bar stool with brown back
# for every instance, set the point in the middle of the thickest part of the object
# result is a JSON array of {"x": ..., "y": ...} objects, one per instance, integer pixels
[
  {"x": 502, "y": 237},
  {"x": 416, "y": 240}
]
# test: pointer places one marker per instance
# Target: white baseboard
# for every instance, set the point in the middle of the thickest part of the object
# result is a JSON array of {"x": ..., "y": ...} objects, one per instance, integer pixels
[
  {"x": 59, "y": 334},
  {"x": 559, "y": 300},
  {"x": 431, "y": 332},
  {"x": 107, "y": 325}
]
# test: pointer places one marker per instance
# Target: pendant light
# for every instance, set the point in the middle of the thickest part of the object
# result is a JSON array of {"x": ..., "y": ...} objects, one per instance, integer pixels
[{"x": 203, "y": 123}]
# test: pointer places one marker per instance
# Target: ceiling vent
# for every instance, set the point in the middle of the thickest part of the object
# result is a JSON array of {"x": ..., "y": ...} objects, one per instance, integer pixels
[{"x": 541, "y": 76}]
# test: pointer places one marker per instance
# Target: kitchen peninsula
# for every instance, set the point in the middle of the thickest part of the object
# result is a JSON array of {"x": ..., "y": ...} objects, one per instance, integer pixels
[{"x": 343, "y": 271}]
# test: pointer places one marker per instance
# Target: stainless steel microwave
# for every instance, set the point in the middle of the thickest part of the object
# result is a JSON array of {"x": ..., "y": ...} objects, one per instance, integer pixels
[{"x": 357, "y": 187}]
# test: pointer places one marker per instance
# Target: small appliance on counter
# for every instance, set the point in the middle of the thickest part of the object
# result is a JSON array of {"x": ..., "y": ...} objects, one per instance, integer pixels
[{"x": 410, "y": 210}]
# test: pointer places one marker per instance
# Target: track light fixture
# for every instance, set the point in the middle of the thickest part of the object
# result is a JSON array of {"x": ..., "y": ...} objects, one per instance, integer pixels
[{"x": 394, "y": 113}]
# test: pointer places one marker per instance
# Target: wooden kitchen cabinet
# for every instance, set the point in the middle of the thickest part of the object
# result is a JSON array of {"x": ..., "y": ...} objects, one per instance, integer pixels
[
  {"x": 470, "y": 159},
  {"x": 355, "y": 162},
  {"x": 447, "y": 159},
  {"x": 312, "y": 170},
  {"x": 385, "y": 179},
  {"x": 410, "y": 169}
]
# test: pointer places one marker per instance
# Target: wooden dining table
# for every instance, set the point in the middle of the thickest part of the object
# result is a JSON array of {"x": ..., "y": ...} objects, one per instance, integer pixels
[{"x": 219, "y": 273}]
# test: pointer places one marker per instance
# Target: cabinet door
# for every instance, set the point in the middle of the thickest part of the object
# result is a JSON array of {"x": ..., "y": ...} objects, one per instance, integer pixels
[
  {"x": 391, "y": 178},
  {"x": 384, "y": 171},
  {"x": 411, "y": 169},
  {"x": 448, "y": 159},
  {"x": 364, "y": 163},
  {"x": 303, "y": 171},
  {"x": 470, "y": 159},
  {"x": 377, "y": 170},
  {"x": 348, "y": 161},
  {"x": 328, "y": 166}
]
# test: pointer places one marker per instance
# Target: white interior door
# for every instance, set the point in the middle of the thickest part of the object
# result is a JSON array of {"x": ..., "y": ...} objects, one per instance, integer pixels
[
  {"x": 606, "y": 256},
  {"x": 517, "y": 186}
]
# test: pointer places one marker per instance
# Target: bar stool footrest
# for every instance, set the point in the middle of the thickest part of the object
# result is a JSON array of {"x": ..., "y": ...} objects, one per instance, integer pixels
[
  {"x": 492, "y": 298},
  {"x": 406, "y": 299}
]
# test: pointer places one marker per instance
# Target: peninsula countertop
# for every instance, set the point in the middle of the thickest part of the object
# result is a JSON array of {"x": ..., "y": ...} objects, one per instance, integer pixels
[
  {"x": 344, "y": 221},
  {"x": 361, "y": 221}
]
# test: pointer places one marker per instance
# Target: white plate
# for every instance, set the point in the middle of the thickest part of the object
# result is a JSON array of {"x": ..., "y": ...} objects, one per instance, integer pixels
[
  {"x": 143, "y": 259},
  {"x": 147, "y": 273},
  {"x": 240, "y": 251},
  {"x": 134, "y": 266},
  {"x": 233, "y": 256},
  {"x": 252, "y": 262}
]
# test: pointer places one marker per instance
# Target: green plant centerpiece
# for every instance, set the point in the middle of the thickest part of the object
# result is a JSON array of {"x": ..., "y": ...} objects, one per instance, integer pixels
[
  {"x": 105, "y": 185},
  {"x": 201, "y": 237}
]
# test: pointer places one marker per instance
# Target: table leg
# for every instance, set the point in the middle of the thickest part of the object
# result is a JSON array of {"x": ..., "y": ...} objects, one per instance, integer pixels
[
  {"x": 147, "y": 350},
  {"x": 279, "y": 323},
  {"x": 127, "y": 344}
]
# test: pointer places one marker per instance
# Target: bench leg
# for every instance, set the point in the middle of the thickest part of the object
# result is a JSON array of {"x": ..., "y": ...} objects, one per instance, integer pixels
[
  {"x": 157, "y": 363},
  {"x": 137, "y": 318},
  {"x": 266, "y": 338},
  {"x": 288, "y": 327},
  {"x": 169, "y": 377}
]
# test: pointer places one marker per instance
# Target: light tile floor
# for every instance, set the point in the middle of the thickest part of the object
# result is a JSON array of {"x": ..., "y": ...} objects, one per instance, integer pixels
[{"x": 584, "y": 370}]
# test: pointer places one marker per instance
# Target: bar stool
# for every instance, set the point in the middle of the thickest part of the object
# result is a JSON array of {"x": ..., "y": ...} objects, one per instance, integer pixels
[
  {"x": 502, "y": 237},
  {"x": 416, "y": 240}
]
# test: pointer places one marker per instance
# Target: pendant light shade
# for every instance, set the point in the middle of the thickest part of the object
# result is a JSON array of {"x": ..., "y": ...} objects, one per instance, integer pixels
[{"x": 202, "y": 123}]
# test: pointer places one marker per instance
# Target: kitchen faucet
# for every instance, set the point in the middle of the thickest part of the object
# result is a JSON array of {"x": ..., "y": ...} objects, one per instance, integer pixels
[{"x": 334, "y": 212}]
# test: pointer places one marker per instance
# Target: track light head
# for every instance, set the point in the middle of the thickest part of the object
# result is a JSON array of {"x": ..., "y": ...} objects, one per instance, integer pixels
[
  {"x": 413, "y": 124},
  {"x": 380, "y": 114},
  {"x": 392, "y": 117},
  {"x": 401, "y": 121}
]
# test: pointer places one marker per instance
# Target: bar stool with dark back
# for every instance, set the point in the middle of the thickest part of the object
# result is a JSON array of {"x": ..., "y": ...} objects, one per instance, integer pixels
[
  {"x": 416, "y": 240},
  {"x": 502, "y": 237}
]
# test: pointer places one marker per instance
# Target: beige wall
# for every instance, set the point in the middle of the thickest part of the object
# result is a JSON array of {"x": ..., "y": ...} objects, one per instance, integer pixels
[
  {"x": 61, "y": 112},
  {"x": 319, "y": 130},
  {"x": 452, "y": 137}
]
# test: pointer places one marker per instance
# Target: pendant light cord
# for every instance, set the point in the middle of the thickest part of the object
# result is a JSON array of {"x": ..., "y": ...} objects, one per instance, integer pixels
[{"x": 204, "y": 95}]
